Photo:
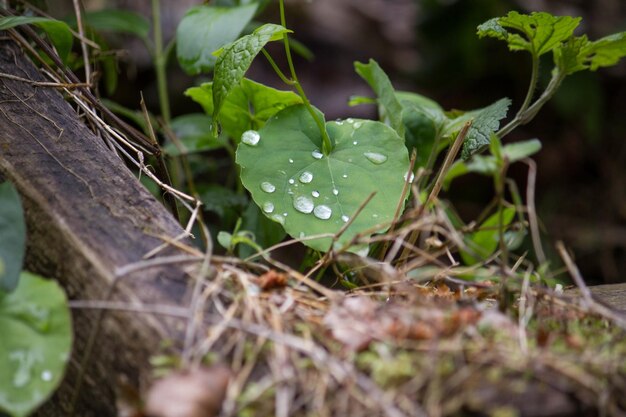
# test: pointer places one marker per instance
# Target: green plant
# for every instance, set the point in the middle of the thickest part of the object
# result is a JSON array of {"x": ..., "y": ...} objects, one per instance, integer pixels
[{"x": 35, "y": 320}]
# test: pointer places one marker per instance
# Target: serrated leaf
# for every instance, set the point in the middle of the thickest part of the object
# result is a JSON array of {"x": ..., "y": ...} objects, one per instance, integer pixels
[
  {"x": 483, "y": 243},
  {"x": 537, "y": 33},
  {"x": 234, "y": 60},
  {"x": 247, "y": 107},
  {"x": 59, "y": 32},
  {"x": 194, "y": 133},
  {"x": 309, "y": 193},
  {"x": 486, "y": 122},
  {"x": 380, "y": 83},
  {"x": 36, "y": 341},
  {"x": 205, "y": 29},
  {"x": 12, "y": 236},
  {"x": 118, "y": 21}
]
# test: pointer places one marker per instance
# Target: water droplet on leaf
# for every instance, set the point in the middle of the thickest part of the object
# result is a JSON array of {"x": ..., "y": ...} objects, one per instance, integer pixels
[
  {"x": 375, "y": 158},
  {"x": 290, "y": 161},
  {"x": 46, "y": 376},
  {"x": 303, "y": 204},
  {"x": 250, "y": 137},
  {"x": 306, "y": 177},
  {"x": 291, "y": 181},
  {"x": 268, "y": 207},
  {"x": 317, "y": 154},
  {"x": 345, "y": 218},
  {"x": 315, "y": 194},
  {"x": 344, "y": 176},
  {"x": 335, "y": 191},
  {"x": 323, "y": 212},
  {"x": 410, "y": 179},
  {"x": 358, "y": 125},
  {"x": 278, "y": 218},
  {"x": 268, "y": 187}
]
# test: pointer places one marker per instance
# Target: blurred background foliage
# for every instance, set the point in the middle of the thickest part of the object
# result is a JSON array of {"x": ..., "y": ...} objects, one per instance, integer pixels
[{"x": 430, "y": 47}]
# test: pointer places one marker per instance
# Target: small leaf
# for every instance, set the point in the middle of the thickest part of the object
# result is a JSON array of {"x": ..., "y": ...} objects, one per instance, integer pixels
[
  {"x": 580, "y": 54},
  {"x": 309, "y": 193},
  {"x": 118, "y": 21},
  {"x": 248, "y": 105},
  {"x": 36, "y": 339},
  {"x": 517, "y": 151},
  {"x": 235, "y": 59},
  {"x": 483, "y": 243},
  {"x": 59, "y": 32},
  {"x": 486, "y": 122},
  {"x": 205, "y": 29},
  {"x": 537, "y": 33},
  {"x": 194, "y": 133},
  {"x": 379, "y": 82},
  {"x": 12, "y": 236}
]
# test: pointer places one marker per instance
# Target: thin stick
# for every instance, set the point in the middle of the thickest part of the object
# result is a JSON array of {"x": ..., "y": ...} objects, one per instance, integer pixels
[
  {"x": 42, "y": 83},
  {"x": 575, "y": 273},
  {"x": 532, "y": 212},
  {"x": 83, "y": 45}
]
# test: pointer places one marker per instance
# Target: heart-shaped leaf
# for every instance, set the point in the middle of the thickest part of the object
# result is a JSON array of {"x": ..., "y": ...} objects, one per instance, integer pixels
[
  {"x": 35, "y": 345},
  {"x": 205, "y": 29},
  {"x": 310, "y": 193},
  {"x": 12, "y": 236}
]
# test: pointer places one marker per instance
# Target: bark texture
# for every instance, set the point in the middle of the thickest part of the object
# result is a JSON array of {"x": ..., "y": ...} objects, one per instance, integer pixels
[{"x": 86, "y": 215}]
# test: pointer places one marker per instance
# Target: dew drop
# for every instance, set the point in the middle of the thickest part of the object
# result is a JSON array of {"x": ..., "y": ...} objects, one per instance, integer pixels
[
  {"x": 268, "y": 207},
  {"x": 285, "y": 214},
  {"x": 335, "y": 191},
  {"x": 345, "y": 218},
  {"x": 268, "y": 187},
  {"x": 251, "y": 137},
  {"x": 303, "y": 204},
  {"x": 323, "y": 212},
  {"x": 344, "y": 176},
  {"x": 278, "y": 218},
  {"x": 355, "y": 143},
  {"x": 46, "y": 376},
  {"x": 358, "y": 125},
  {"x": 290, "y": 161},
  {"x": 291, "y": 181},
  {"x": 306, "y": 177},
  {"x": 317, "y": 154},
  {"x": 406, "y": 177},
  {"x": 350, "y": 120},
  {"x": 315, "y": 194},
  {"x": 339, "y": 123},
  {"x": 375, "y": 158}
]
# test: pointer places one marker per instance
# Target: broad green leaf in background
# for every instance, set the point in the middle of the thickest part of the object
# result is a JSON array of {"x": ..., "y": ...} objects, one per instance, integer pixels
[
  {"x": 486, "y": 122},
  {"x": 483, "y": 243},
  {"x": 59, "y": 32},
  {"x": 117, "y": 21},
  {"x": 247, "y": 107},
  {"x": 35, "y": 345},
  {"x": 487, "y": 165},
  {"x": 379, "y": 82},
  {"x": 205, "y": 29},
  {"x": 219, "y": 200},
  {"x": 538, "y": 32},
  {"x": 12, "y": 236},
  {"x": 234, "y": 60},
  {"x": 194, "y": 133},
  {"x": 581, "y": 54},
  {"x": 289, "y": 178}
]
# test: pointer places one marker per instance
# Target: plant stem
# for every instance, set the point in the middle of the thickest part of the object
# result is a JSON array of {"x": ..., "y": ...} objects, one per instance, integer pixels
[
  {"x": 160, "y": 61},
  {"x": 525, "y": 116},
  {"x": 327, "y": 145}
]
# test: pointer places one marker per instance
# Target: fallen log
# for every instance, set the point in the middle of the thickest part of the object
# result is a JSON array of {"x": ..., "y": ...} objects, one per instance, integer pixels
[{"x": 87, "y": 216}]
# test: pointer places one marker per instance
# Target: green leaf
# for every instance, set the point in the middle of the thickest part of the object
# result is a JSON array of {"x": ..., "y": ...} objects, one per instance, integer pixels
[
  {"x": 218, "y": 199},
  {"x": 235, "y": 59},
  {"x": 308, "y": 193},
  {"x": 117, "y": 21},
  {"x": 35, "y": 346},
  {"x": 537, "y": 33},
  {"x": 487, "y": 165},
  {"x": 266, "y": 232},
  {"x": 483, "y": 243},
  {"x": 59, "y": 32},
  {"x": 205, "y": 29},
  {"x": 486, "y": 122},
  {"x": 580, "y": 54},
  {"x": 12, "y": 236},
  {"x": 379, "y": 82},
  {"x": 247, "y": 107},
  {"x": 194, "y": 133}
]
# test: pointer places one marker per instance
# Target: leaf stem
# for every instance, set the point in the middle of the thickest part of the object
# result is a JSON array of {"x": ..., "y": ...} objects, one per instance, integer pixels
[
  {"x": 327, "y": 145},
  {"x": 276, "y": 69},
  {"x": 160, "y": 61}
]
